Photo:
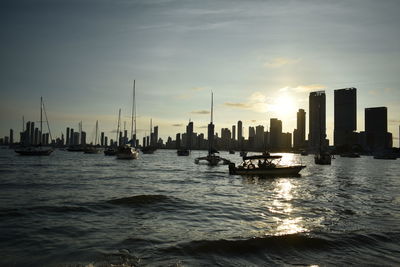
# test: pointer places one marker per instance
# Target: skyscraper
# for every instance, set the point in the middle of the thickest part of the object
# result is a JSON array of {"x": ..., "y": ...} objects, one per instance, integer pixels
[
  {"x": 233, "y": 132},
  {"x": 240, "y": 134},
  {"x": 275, "y": 134},
  {"x": 345, "y": 117},
  {"x": 189, "y": 135},
  {"x": 376, "y": 126},
  {"x": 317, "y": 118},
  {"x": 11, "y": 136},
  {"x": 68, "y": 137},
  {"x": 299, "y": 135}
]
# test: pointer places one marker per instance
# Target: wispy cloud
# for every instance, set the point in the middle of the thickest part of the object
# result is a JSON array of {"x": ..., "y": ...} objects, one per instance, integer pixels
[
  {"x": 256, "y": 101},
  {"x": 201, "y": 112},
  {"x": 203, "y": 127},
  {"x": 303, "y": 88},
  {"x": 280, "y": 62},
  {"x": 177, "y": 125}
]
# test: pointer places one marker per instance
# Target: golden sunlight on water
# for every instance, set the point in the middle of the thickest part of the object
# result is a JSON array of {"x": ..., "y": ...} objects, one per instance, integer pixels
[{"x": 281, "y": 206}]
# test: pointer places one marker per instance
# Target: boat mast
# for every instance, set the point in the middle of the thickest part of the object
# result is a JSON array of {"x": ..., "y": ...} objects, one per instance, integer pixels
[
  {"x": 41, "y": 121},
  {"x": 212, "y": 106},
  {"x": 97, "y": 127},
  {"x": 133, "y": 113},
  {"x": 119, "y": 118},
  {"x": 151, "y": 126}
]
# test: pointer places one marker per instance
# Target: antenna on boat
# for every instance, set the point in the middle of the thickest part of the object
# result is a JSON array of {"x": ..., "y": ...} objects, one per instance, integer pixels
[
  {"x": 41, "y": 121},
  {"x": 212, "y": 106}
]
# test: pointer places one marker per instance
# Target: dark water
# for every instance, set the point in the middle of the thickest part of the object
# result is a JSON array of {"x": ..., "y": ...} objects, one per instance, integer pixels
[{"x": 73, "y": 209}]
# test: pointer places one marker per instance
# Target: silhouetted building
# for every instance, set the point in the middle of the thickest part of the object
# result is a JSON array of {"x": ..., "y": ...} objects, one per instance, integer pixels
[
  {"x": 240, "y": 134},
  {"x": 178, "y": 141},
  {"x": 286, "y": 141},
  {"x": 68, "y": 137},
  {"x": 189, "y": 135},
  {"x": 275, "y": 133},
  {"x": 11, "y": 136},
  {"x": 102, "y": 138},
  {"x": 345, "y": 117},
  {"x": 75, "y": 138},
  {"x": 233, "y": 132},
  {"x": 31, "y": 134},
  {"x": 317, "y": 124},
  {"x": 83, "y": 138},
  {"x": 106, "y": 141},
  {"x": 71, "y": 137},
  {"x": 299, "y": 134},
  {"x": 259, "y": 138},
  {"x": 377, "y": 137}
]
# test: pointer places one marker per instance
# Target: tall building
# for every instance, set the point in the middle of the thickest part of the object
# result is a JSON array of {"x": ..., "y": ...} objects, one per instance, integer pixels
[
  {"x": 210, "y": 136},
  {"x": 299, "y": 134},
  {"x": 240, "y": 134},
  {"x": 189, "y": 135},
  {"x": 259, "y": 138},
  {"x": 31, "y": 134},
  {"x": 155, "y": 135},
  {"x": 377, "y": 137},
  {"x": 102, "y": 138},
  {"x": 178, "y": 141},
  {"x": 68, "y": 137},
  {"x": 275, "y": 134},
  {"x": 345, "y": 122},
  {"x": 233, "y": 132},
  {"x": 317, "y": 118},
  {"x": 11, "y": 136}
]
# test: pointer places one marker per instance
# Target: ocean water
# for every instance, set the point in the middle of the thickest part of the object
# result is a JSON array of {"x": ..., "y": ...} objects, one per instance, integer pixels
[{"x": 74, "y": 209}]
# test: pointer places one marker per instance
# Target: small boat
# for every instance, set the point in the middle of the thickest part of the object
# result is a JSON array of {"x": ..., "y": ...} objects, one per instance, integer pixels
[
  {"x": 212, "y": 159},
  {"x": 243, "y": 154},
  {"x": 323, "y": 158},
  {"x": 264, "y": 164},
  {"x": 231, "y": 151},
  {"x": 93, "y": 149},
  {"x": 303, "y": 153},
  {"x": 37, "y": 150},
  {"x": 148, "y": 149},
  {"x": 34, "y": 151},
  {"x": 385, "y": 155},
  {"x": 127, "y": 152},
  {"x": 350, "y": 155},
  {"x": 183, "y": 152},
  {"x": 110, "y": 151}
]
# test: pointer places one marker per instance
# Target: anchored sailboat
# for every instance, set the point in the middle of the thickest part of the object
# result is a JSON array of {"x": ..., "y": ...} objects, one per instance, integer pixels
[
  {"x": 212, "y": 159},
  {"x": 37, "y": 150},
  {"x": 129, "y": 151},
  {"x": 151, "y": 148},
  {"x": 92, "y": 148}
]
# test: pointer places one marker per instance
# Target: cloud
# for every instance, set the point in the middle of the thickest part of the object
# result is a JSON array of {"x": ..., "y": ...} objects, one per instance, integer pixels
[
  {"x": 203, "y": 127},
  {"x": 201, "y": 112},
  {"x": 177, "y": 124},
  {"x": 303, "y": 88},
  {"x": 280, "y": 62},
  {"x": 257, "y": 102}
]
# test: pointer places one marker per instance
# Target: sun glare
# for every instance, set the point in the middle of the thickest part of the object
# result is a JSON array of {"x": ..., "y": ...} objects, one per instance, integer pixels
[{"x": 283, "y": 105}]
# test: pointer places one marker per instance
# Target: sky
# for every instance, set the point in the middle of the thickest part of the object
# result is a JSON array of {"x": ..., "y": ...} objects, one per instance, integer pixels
[{"x": 261, "y": 59}]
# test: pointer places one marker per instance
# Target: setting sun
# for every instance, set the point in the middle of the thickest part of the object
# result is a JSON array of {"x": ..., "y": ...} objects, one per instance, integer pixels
[{"x": 283, "y": 105}]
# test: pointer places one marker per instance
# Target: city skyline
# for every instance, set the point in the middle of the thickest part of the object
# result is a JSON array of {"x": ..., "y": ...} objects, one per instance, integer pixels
[{"x": 260, "y": 60}]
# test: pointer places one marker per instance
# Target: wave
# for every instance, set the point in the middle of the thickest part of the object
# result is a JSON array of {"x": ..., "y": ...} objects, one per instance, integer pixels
[
  {"x": 287, "y": 243},
  {"x": 17, "y": 212},
  {"x": 144, "y": 200}
]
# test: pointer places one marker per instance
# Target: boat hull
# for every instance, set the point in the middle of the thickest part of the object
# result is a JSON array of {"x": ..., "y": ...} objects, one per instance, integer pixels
[
  {"x": 277, "y": 171},
  {"x": 134, "y": 155},
  {"x": 33, "y": 152}
]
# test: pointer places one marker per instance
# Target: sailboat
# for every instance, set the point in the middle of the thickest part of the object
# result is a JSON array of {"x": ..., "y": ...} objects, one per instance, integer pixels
[
  {"x": 129, "y": 151},
  {"x": 322, "y": 157},
  {"x": 112, "y": 149},
  {"x": 185, "y": 151},
  {"x": 212, "y": 159},
  {"x": 151, "y": 148},
  {"x": 93, "y": 149},
  {"x": 37, "y": 150}
]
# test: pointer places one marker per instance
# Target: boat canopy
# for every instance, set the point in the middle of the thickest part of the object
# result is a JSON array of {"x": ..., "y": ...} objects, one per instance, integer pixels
[{"x": 261, "y": 157}]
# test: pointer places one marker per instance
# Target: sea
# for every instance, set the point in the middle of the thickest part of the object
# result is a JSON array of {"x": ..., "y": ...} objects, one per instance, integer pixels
[{"x": 75, "y": 209}]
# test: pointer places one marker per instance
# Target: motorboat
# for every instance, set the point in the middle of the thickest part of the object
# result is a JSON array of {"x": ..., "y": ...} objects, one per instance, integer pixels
[
  {"x": 127, "y": 152},
  {"x": 323, "y": 158},
  {"x": 110, "y": 151},
  {"x": 183, "y": 152},
  {"x": 264, "y": 164}
]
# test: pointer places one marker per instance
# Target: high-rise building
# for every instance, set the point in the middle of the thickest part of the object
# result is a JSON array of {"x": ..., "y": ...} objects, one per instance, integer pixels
[
  {"x": 345, "y": 121},
  {"x": 259, "y": 138},
  {"x": 155, "y": 135},
  {"x": 11, "y": 136},
  {"x": 275, "y": 135},
  {"x": 83, "y": 138},
  {"x": 31, "y": 134},
  {"x": 377, "y": 137},
  {"x": 102, "y": 138},
  {"x": 210, "y": 136},
  {"x": 178, "y": 141},
  {"x": 71, "y": 137},
  {"x": 317, "y": 120},
  {"x": 299, "y": 134},
  {"x": 240, "y": 134},
  {"x": 68, "y": 137},
  {"x": 189, "y": 135},
  {"x": 233, "y": 132}
]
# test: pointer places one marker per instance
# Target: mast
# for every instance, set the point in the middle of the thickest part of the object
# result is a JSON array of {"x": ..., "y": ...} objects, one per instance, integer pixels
[
  {"x": 97, "y": 127},
  {"x": 212, "y": 106},
  {"x": 133, "y": 113},
  {"x": 41, "y": 121},
  {"x": 151, "y": 131},
  {"x": 119, "y": 118}
]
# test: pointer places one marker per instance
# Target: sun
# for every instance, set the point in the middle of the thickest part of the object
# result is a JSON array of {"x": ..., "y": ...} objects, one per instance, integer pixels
[{"x": 283, "y": 106}]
